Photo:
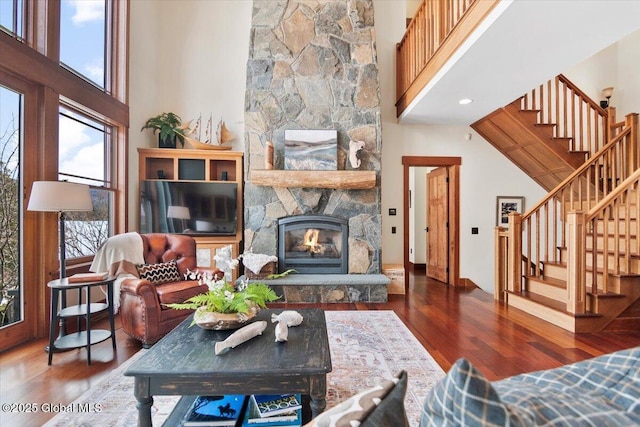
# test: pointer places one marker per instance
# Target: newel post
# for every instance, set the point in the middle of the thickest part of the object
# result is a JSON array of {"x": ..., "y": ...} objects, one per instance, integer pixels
[
  {"x": 501, "y": 267},
  {"x": 514, "y": 253},
  {"x": 576, "y": 262}
]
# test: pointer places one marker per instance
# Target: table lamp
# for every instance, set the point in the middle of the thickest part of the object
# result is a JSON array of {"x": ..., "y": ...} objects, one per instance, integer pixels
[{"x": 60, "y": 197}]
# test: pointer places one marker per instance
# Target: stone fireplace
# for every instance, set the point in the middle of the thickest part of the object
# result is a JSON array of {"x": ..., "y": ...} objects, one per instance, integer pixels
[
  {"x": 313, "y": 244},
  {"x": 313, "y": 65}
]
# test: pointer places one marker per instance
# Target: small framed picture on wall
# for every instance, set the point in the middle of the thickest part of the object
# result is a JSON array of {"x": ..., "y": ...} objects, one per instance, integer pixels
[{"x": 504, "y": 206}]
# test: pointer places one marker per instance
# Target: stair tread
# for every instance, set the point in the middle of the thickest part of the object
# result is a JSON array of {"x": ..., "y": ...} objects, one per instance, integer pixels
[
  {"x": 606, "y": 295},
  {"x": 551, "y": 303},
  {"x": 558, "y": 283},
  {"x": 610, "y": 252}
]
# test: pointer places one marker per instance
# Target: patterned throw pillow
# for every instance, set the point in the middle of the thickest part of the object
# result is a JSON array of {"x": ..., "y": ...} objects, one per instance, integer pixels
[
  {"x": 382, "y": 405},
  {"x": 158, "y": 274},
  {"x": 466, "y": 398}
]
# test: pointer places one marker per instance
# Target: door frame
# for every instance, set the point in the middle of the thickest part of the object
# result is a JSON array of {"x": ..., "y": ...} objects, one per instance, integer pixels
[{"x": 453, "y": 164}]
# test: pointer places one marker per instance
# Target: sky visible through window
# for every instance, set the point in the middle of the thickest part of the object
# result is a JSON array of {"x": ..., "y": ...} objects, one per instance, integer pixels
[
  {"x": 82, "y": 33},
  {"x": 81, "y": 48},
  {"x": 82, "y": 41},
  {"x": 7, "y": 10}
]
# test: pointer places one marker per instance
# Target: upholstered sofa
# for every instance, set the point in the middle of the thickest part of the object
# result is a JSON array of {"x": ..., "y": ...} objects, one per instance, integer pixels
[
  {"x": 161, "y": 281},
  {"x": 603, "y": 391}
]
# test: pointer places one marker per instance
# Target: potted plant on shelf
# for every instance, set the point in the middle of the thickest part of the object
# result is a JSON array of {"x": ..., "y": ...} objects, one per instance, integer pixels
[{"x": 170, "y": 128}]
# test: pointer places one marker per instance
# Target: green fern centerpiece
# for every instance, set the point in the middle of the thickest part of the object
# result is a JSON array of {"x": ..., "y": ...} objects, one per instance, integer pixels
[
  {"x": 225, "y": 298},
  {"x": 226, "y": 306}
]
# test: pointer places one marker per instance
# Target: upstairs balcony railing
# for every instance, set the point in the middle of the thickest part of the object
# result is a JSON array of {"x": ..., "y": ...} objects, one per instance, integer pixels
[{"x": 437, "y": 30}]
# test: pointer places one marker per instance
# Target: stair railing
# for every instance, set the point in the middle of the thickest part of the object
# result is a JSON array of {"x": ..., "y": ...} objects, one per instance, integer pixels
[
  {"x": 575, "y": 115},
  {"x": 539, "y": 234},
  {"x": 608, "y": 229}
]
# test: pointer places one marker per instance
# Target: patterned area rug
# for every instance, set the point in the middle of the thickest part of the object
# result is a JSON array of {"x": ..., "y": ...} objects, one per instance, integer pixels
[{"x": 366, "y": 348}]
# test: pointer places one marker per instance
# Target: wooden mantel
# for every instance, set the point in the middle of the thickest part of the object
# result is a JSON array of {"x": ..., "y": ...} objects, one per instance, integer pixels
[{"x": 341, "y": 179}]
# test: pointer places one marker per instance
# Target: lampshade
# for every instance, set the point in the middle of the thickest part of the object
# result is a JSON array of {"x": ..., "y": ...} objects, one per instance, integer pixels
[
  {"x": 179, "y": 212},
  {"x": 607, "y": 92},
  {"x": 59, "y": 196}
]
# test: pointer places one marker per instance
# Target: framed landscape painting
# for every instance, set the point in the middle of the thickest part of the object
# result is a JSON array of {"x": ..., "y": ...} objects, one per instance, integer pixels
[
  {"x": 504, "y": 206},
  {"x": 311, "y": 149}
]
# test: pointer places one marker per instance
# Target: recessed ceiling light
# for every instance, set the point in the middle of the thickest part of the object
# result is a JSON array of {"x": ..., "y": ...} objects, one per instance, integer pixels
[{"x": 465, "y": 101}]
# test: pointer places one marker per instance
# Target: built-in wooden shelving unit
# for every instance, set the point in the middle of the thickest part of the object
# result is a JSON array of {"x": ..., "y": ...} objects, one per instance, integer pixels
[
  {"x": 163, "y": 164},
  {"x": 343, "y": 180}
]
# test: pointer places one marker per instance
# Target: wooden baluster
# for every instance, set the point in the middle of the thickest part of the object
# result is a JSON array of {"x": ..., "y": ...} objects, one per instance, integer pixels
[
  {"x": 554, "y": 241},
  {"x": 558, "y": 96},
  {"x": 631, "y": 122}
]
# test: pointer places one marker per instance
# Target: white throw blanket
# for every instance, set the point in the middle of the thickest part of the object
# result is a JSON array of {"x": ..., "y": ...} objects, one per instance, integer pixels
[{"x": 119, "y": 256}]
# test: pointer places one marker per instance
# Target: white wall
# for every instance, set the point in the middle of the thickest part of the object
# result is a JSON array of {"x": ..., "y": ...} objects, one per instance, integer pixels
[
  {"x": 190, "y": 57},
  {"x": 616, "y": 66},
  {"x": 418, "y": 214}
]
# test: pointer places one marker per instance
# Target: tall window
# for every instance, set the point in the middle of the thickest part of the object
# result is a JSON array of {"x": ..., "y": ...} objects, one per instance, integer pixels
[
  {"x": 71, "y": 127},
  {"x": 84, "y": 156},
  {"x": 83, "y": 38},
  {"x": 10, "y": 218}
]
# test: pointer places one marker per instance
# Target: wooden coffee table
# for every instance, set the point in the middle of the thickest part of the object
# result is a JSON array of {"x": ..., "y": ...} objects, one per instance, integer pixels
[{"x": 184, "y": 363}]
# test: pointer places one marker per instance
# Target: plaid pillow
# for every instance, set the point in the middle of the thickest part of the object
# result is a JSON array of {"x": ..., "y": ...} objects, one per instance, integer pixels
[
  {"x": 382, "y": 405},
  {"x": 164, "y": 272},
  {"x": 466, "y": 398}
]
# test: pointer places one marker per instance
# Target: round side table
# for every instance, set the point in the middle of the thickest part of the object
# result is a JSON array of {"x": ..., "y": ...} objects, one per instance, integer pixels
[{"x": 81, "y": 338}]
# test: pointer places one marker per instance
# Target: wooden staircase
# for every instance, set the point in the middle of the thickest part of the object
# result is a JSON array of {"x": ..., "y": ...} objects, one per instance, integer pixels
[
  {"x": 574, "y": 258},
  {"x": 531, "y": 145},
  {"x": 535, "y": 134}
]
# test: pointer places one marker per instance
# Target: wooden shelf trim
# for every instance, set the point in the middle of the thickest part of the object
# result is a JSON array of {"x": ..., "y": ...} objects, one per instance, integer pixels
[{"x": 342, "y": 180}]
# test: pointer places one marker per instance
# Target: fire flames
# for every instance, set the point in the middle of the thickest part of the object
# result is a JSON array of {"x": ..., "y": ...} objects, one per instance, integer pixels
[{"x": 311, "y": 241}]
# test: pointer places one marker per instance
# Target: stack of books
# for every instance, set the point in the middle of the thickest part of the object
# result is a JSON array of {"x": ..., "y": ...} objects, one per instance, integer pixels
[
  {"x": 256, "y": 410},
  {"x": 216, "y": 410},
  {"x": 267, "y": 410}
]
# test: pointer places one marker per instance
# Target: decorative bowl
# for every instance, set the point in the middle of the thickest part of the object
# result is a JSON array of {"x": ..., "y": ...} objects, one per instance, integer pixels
[{"x": 215, "y": 321}]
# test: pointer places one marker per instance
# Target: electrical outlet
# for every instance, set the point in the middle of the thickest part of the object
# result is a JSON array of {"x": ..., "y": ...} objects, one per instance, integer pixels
[
  {"x": 393, "y": 230},
  {"x": 474, "y": 230}
]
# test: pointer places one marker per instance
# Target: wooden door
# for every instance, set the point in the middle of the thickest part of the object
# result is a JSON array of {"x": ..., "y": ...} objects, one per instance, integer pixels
[{"x": 438, "y": 224}]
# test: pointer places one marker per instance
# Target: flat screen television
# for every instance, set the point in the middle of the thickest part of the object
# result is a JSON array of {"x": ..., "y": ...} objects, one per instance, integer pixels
[{"x": 187, "y": 207}]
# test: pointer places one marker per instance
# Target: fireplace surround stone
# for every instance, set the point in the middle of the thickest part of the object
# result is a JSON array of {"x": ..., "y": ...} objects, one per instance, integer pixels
[{"x": 313, "y": 65}]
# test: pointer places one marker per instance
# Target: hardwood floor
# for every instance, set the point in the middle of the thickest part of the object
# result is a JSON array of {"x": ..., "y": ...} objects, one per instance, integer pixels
[{"x": 450, "y": 323}]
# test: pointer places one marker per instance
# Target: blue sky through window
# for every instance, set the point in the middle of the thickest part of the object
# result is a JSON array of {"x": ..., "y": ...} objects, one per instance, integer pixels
[
  {"x": 82, "y": 47},
  {"x": 82, "y": 44},
  {"x": 82, "y": 37},
  {"x": 7, "y": 16}
]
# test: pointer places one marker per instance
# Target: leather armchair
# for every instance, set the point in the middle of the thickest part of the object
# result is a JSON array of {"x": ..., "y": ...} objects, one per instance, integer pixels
[{"x": 143, "y": 315}]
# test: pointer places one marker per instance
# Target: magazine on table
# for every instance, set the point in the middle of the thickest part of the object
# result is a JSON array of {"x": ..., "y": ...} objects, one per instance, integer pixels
[
  {"x": 285, "y": 419},
  {"x": 224, "y": 410},
  {"x": 269, "y": 405}
]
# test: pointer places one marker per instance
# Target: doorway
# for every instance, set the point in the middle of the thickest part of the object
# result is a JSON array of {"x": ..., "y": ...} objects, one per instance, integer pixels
[{"x": 450, "y": 238}]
